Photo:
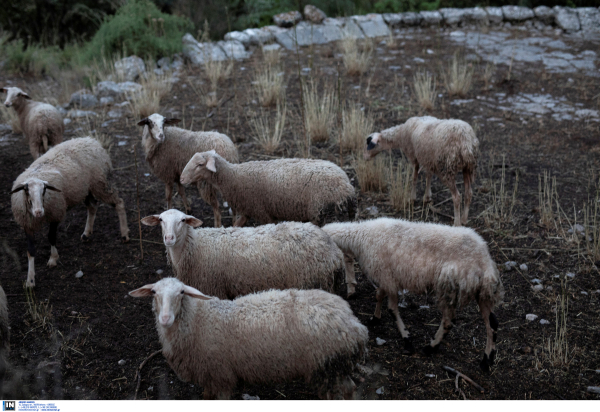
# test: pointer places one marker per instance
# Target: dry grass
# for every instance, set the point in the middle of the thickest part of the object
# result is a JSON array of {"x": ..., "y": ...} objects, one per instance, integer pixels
[
  {"x": 9, "y": 116},
  {"x": 501, "y": 201},
  {"x": 271, "y": 57},
  {"x": 400, "y": 178},
  {"x": 488, "y": 73},
  {"x": 424, "y": 86},
  {"x": 267, "y": 132},
  {"x": 147, "y": 100},
  {"x": 319, "y": 111},
  {"x": 217, "y": 71},
  {"x": 356, "y": 126},
  {"x": 40, "y": 313},
  {"x": 548, "y": 200},
  {"x": 458, "y": 77},
  {"x": 357, "y": 59},
  {"x": 268, "y": 83},
  {"x": 372, "y": 175}
]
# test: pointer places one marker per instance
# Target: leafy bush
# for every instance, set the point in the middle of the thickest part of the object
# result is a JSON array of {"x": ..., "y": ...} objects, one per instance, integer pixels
[{"x": 138, "y": 28}]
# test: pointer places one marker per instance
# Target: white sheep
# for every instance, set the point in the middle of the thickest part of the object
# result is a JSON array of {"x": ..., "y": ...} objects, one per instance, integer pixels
[
  {"x": 274, "y": 190},
  {"x": 41, "y": 123},
  {"x": 168, "y": 151},
  {"x": 228, "y": 262},
  {"x": 259, "y": 338},
  {"x": 441, "y": 147},
  {"x": 454, "y": 262},
  {"x": 70, "y": 173}
]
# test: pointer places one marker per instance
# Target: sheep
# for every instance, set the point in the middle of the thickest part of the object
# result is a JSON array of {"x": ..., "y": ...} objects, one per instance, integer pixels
[
  {"x": 274, "y": 190},
  {"x": 262, "y": 337},
  {"x": 228, "y": 262},
  {"x": 169, "y": 150},
  {"x": 42, "y": 124},
  {"x": 454, "y": 262},
  {"x": 70, "y": 173},
  {"x": 4, "y": 334},
  {"x": 440, "y": 147}
]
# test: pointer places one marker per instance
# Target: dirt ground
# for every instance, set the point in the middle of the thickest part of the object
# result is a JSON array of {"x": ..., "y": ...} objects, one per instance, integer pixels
[{"x": 91, "y": 337}]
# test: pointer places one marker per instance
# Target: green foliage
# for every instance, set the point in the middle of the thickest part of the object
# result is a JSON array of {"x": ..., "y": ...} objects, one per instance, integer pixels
[{"x": 138, "y": 28}]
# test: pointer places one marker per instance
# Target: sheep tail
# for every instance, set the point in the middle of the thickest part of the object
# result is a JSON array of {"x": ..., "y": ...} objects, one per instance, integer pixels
[{"x": 45, "y": 142}]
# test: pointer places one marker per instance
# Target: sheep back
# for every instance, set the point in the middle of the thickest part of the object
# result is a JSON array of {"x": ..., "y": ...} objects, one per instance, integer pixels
[
  {"x": 284, "y": 189},
  {"x": 41, "y": 119},
  {"x": 264, "y": 337},
  {"x": 228, "y": 262}
]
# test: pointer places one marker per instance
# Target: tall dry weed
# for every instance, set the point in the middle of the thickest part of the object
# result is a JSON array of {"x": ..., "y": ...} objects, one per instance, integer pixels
[
  {"x": 268, "y": 132},
  {"x": 269, "y": 85},
  {"x": 372, "y": 175},
  {"x": 424, "y": 89},
  {"x": 400, "y": 178},
  {"x": 147, "y": 101},
  {"x": 319, "y": 111},
  {"x": 458, "y": 76},
  {"x": 356, "y": 126},
  {"x": 356, "y": 57}
]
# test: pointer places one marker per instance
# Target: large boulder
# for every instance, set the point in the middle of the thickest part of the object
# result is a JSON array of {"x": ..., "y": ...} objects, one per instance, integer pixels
[
  {"x": 517, "y": 13},
  {"x": 259, "y": 36},
  {"x": 453, "y": 17},
  {"x": 430, "y": 18},
  {"x": 240, "y": 36},
  {"x": 494, "y": 15},
  {"x": 475, "y": 15},
  {"x": 287, "y": 19},
  {"x": 234, "y": 49},
  {"x": 200, "y": 53},
  {"x": 589, "y": 18},
  {"x": 372, "y": 25},
  {"x": 314, "y": 14},
  {"x": 130, "y": 68},
  {"x": 567, "y": 19},
  {"x": 544, "y": 14},
  {"x": 83, "y": 99}
]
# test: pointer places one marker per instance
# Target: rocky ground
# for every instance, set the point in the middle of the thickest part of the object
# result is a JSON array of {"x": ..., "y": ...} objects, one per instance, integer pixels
[{"x": 537, "y": 114}]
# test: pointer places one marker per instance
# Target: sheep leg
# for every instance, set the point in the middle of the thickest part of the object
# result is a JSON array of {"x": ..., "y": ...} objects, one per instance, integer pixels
[
  {"x": 241, "y": 221},
  {"x": 169, "y": 194},
  {"x": 393, "y": 306},
  {"x": 92, "y": 207},
  {"x": 34, "y": 148},
  {"x": 427, "y": 197},
  {"x": 30, "y": 260},
  {"x": 350, "y": 275},
  {"x": 181, "y": 191},
  {"x": 209, "y": 195},
  {"x": 451, "y": 183},
  {"x": 107, "y": 194},
  {"x": 445, "y": 327},
  {"x": 469, "y": 178},
  {"x": 52, "y": 239},
  {"x": 413, "y": 193},
  {"x": 491, "y": 326}
]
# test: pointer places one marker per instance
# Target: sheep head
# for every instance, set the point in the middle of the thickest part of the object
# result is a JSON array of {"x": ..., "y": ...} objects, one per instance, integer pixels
[
  {"x": 35, "y": 190},
  {"x": 156, "y": 125},
  {"x": 174, "y": 225},
  {"x": 13, "y": 94},
  {"x": 200, "y": 167},
  {"x": 373, "y": 147},
  {"x": 168, "y": 294}
]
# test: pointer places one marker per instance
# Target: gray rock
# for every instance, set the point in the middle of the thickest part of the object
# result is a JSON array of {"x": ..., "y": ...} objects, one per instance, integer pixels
[
  {"x": 567, "y": 19},
  {"x": 510, "y": 264},
  {"x": 453, "y": 17},
  {"x": 5, "y": 128},
  {"x": 287, "y": 19},
  {"x": 332, "y": 29},
  {"x": 544, "y": 322},
  {"x": 544, "y": 14},
  {"x": 122, "y": 362},
  {"x": 234, "y": 49},
  {"x": 314, "y": 14},
  {"x": 380, "y": 391},
  {"x": 247, "y": 397},
  {"x": 531, "y": 317},
  {"x": 307, "y": 34},
  {"x": 285, "y": 39},
  {"x": 83, "y": 99},
  {"x": 517, "y": 13},
  {"x": 578, "y": 228},
  {"x": 373, "y": 25},
  {"x": 372, "y": 210},
  {"x": 240, "y": 36},
  {"x": 129, "y": 87},
  {"x": 108, "y": 89},
  {"x": 66, "y": 121},
  {"x": 130, "y": 68},
  {"x": 570, "y": 275},
  {"x": 352, "y": 29},
  {"x": 393, "y": 19},
  {"x": 411, "y": 18},
  {"x": 380, "y": 341},
  {"x": 475, "y": 15},
  {"x": 495, "y": 15},
  {"x": 74, "y": 114},
  {"x": 431, "y": 18},
  {"x": 198, "y": 53},
  {"x": 589, "y": 18},
  {"x": 271, "y": 47},
  {"x": 159, "y": 272},
  {"x": 523, "y": 267},
  {"x": 259, "y": 36},
  {"x": 537, "y": 288},
  {"x": 79, "y": 274},
  {"x": 164, "y": 62}
]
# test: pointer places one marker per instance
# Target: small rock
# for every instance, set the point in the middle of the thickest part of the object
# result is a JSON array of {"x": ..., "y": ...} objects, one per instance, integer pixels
[
  {"x": 122, "y": 362},
  {"x": 549, "y": 287},
  {"x": 430, "y": 375},
  {"x": 105, "y": 101},
  {"x": 130, "y": 68},
  {"x": 577, "y": 227},
  {"x": 583, "y": 292},
  {"x": 536, "y": 281},
  {"x": 380, "y": 391},
  {"x": 74, "y": 313},
  {"x": 81, "y": 113},
  {"x": 159, "y": 272},
  {"x": 544, "y": 322},
  {"x": 537, "y": 288},
  {"x": 225, "y": 204},
  {"x": 314, "y": 14},
  {"x": 571, "y": 275},
  {"x": 593, "y": 389},
  {"x": 66, "y": 121},
  {"x": 288, "y": 19},
  {"x": 523, "y": 267},
  {"x": 372, "y": 210},
  {"x": 510, "y": 264},
  {"x": 424, "y": 307},
  {"x": 150, "y": 388},
  {"x": 79, "y": 274},
  {"x": 271, "y": 47},
  {"x": 380, "y": 341},
  {"x": 83, "y": 99},
  {"x": 531, "y": 317},
  {"x": 247, "y": 397}
]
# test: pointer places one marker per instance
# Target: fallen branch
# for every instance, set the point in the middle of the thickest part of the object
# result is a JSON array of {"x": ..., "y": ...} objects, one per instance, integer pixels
[
  {"x": 139, "y": 372},
  {"x": 458, "y": 388},
  {"x": 465, "y": 377}
]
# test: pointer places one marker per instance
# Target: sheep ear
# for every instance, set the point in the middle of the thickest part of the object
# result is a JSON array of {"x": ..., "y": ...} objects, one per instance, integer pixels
[
  {"x": 19, "y": 188},
  {"x": 50, "y": 187},
  {"x": 144, "y": 122},
  {"x": 4, "y": 90},
  {"x": 144, "y": 291},
  {"x": 210, "y": 164},
  {"x": 169, "y": 122},
  {"x": 25, "y": 95},
  {"x": 151, "y": 220},
  {"x": 194, "y": 293},
  {"x": 193, "y": 222}
]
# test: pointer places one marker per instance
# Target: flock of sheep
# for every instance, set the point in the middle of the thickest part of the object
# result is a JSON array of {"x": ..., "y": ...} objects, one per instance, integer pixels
[{"x": 256, "y": 303}]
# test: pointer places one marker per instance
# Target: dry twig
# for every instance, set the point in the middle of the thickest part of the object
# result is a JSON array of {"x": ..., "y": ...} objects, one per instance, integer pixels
[
  {"x": 138, "y": 373},
  {"x": 465, "y": 377}
]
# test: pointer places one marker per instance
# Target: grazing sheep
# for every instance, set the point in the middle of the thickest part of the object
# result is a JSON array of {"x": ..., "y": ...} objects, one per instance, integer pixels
[
  {"x": 4, "y": 335},
  {"x": 42, "y": 124},
  {"x": 440, "y": 147},
  {"x": 263, "y": 337},
  {"x": 169, "y": 150},
  {"x": 236, "y": 261},
  {"x": 453, "y": 262},
  {"x": 70, "y": 173},
  {"x": 274, "y": 190}
]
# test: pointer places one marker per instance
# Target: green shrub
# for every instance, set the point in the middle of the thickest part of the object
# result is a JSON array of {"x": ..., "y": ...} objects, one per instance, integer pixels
[{"x": 138, "y": 28}]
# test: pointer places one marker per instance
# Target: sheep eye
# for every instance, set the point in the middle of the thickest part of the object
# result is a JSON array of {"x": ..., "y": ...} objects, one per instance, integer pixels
[
  {"x": 159, "y": 219},
  {"x": 183, "y": 220},
  {"x": 182, "y": 292},
  {"x": 153, "y": 292}
]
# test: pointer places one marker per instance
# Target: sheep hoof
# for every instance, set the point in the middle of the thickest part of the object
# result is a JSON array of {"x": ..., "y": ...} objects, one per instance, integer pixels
[
  {"x": 351, "y": 296},
  {"x": 408, "y": 346},
  {"x": 373, "y": 321},
  {"x": 494, "y": 321},
  {"x": 485, "y": 363},
  {"x": 84, "y": 238},
  {"x": 125, "y": 239},
  {"x": 492, "y": 357},
  {"x": 430, "y": 350}
]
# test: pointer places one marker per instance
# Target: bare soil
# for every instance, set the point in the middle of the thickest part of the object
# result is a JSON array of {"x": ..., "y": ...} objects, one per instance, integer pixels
[{"x": 93, "y": 337}]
